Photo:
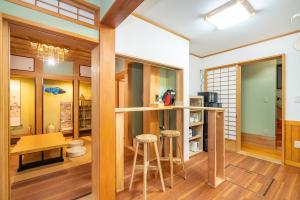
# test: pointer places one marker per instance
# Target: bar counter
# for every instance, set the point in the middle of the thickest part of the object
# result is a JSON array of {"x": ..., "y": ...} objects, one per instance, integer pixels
[{"x": 216, "y": 141}]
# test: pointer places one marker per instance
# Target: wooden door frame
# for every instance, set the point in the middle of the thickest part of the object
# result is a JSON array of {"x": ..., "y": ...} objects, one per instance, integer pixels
[
  {"x": 283, "y": 93},
  {"x": 4, "y": 110},
  {"x": 5, "y": 20}
]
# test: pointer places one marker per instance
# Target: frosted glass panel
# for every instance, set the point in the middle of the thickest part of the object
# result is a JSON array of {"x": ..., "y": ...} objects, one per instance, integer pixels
[
  {"x": 52, "y": 2},
  {"x": 86, "y": 14},
  {"x": 67, "y": 7},
  {"x": 47, "y": 6},
  {"x": 223, "y": 81},
  {"x": 86, "y": 20},
  {"x": 64, "y": 68},
  {"x": 68, "y": 14}
]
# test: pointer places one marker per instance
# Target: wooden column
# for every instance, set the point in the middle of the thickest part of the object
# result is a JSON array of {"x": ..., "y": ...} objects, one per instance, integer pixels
[
  {"x": 76, "y": 100},
  {"x": 179, "y": 112},
  {"x": 4, "y": 110},
  {"x": 38, "y": 96},
  {"x": 120, "y": 130},
  {"x": 151, "y": 84},
  {"x": 103, "y": 112},
  {"x": 216, "y": 148}
]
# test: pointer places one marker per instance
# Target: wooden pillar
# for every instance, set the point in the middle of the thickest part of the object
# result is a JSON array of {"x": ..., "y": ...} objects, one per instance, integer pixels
[
  {"x": 76, "y": 100},
  {"x": 120, "y": 130},
  {"x": 38, "y": 96},
  {"x": 4, "y": 110},
  {"x": 216, "y": 148},
  {"x": 103, "y": 112},
  {"x": 151, "y": 83},
  {"x": 180, "y": 112}
]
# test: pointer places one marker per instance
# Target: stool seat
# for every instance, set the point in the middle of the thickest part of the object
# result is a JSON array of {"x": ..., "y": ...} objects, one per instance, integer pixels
[
  {"x": 146, "y": 138},
  {"x": 170, "y": 133}
]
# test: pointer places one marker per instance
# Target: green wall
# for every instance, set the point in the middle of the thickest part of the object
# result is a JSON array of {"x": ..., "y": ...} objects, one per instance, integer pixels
[
  {"x": 39, "y": 17},
  {"x": 259, "y": 98},
  {"x": 137, "y": 98}
]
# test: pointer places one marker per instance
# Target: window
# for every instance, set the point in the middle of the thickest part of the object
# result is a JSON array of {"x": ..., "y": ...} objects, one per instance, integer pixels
[{"x": 66, "y": 9}]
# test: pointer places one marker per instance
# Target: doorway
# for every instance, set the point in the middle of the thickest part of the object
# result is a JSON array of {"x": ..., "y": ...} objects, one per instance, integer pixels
[
  {"x": 261, "y": 108},
  {"x": 49, "y": 97}
]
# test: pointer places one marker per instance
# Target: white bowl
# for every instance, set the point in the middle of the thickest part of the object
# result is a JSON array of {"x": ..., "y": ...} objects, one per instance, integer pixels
[
  {"x": 76, "y": 151},
  {"x": 75, "y": 143}
]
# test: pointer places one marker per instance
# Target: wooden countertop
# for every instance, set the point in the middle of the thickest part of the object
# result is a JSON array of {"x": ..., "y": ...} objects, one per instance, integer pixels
[{"x": 141, "y": 109}]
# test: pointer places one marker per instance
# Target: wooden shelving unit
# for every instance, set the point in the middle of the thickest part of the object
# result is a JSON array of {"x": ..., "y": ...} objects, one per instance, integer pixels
[
  {"x": 196, "y": 126},
  {"x": 85, "y": 115}
]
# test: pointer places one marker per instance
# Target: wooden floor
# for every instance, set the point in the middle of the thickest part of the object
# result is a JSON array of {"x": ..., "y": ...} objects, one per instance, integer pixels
[
  {"x": 271, "y": 154},
  {"x": 247, "y": 178},
  {"x": 66, "y": 184}
]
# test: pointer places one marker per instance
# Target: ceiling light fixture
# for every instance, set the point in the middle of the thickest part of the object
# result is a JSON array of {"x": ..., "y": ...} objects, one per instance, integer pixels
[
  {"x": 53, "y": 55},
  {"x": 231, "y": 13}
]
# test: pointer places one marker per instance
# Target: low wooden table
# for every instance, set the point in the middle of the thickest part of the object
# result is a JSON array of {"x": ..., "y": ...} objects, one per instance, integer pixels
[{"x": 39, "y": 143}]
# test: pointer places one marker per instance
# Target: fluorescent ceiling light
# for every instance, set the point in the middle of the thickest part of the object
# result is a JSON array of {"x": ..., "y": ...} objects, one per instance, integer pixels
[{"x": 231, "y": 13}]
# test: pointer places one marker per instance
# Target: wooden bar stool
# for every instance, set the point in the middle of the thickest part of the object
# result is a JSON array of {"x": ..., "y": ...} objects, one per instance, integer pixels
[
  {"x": 146, "y": 139},
  {"x": 177, "y": 160}
]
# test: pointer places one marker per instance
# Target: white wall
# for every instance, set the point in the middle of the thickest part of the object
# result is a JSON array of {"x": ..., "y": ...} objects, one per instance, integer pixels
[
  {"x": 140, "y": 39},
  {"x": 196, "y": 65},
  {"x": 283, "y": 45}
]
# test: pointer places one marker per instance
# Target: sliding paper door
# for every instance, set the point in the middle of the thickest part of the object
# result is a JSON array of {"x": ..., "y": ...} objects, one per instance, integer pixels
[{"x": 224, "y": 81}]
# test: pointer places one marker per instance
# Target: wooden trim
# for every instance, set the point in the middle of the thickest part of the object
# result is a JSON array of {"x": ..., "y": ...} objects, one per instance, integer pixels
[
  {"x": 121, "y": 75},
  {"x": 283, "y": 106},
  {"x": 103, "y": 113},
  {"x": 292, "y": 123},
  {"x": 292, "y": 163},
  {"x": 262, "y": 59},
  {"x": 48, "y": 12},
  {"x": 17, "y": 20},
  {"x": 246, "y": 45},
  {"x": 238, "y": 108},
  {"x": 119, "y": 11},
  {"x": 4, "y": 108},
  {"x": 160, "y": 26},
  {"x": 141, "y": 60},
  {"x": 258, "y": 140}
]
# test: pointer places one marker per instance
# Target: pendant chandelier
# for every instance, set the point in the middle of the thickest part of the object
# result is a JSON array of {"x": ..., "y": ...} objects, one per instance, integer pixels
[{"x": 53, "y": 55}]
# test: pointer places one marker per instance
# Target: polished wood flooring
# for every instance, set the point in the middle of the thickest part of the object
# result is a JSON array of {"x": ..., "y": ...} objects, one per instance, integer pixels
[
  {"x": 247, "y": 178},
  {"x": 65, "y": 184}
]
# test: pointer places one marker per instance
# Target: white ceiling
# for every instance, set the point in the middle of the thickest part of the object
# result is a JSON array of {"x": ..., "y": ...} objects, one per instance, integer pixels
[{"x": 273, "y": 18}]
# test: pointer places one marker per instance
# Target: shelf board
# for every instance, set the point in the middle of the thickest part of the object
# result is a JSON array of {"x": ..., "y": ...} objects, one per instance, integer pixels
[
  {"x": 193, "y": 153},
  {"x": 85, "y": 129},
  {"x": 195, "y": 137},
  {"x": 196, "y": 110},
  {"x": 196, "y": 124}
]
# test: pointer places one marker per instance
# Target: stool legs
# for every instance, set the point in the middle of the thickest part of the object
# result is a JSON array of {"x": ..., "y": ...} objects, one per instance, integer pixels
[
  {"x": 171, "y": 161},
  {"x": 182, "y": 161},
  {"x": 159, "y": 167},
  {"x": 145, "y": 170},
  {"x": 134, "y": 164},
  {"x": 145, "y": 167}
]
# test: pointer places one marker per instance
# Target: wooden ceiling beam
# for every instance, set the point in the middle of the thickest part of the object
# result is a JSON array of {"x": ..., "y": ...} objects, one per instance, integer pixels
[{"x": 119, "y": 11}]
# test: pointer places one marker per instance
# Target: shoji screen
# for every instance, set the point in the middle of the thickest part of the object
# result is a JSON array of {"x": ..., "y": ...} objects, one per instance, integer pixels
[{"x": 224, "y": 82}]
